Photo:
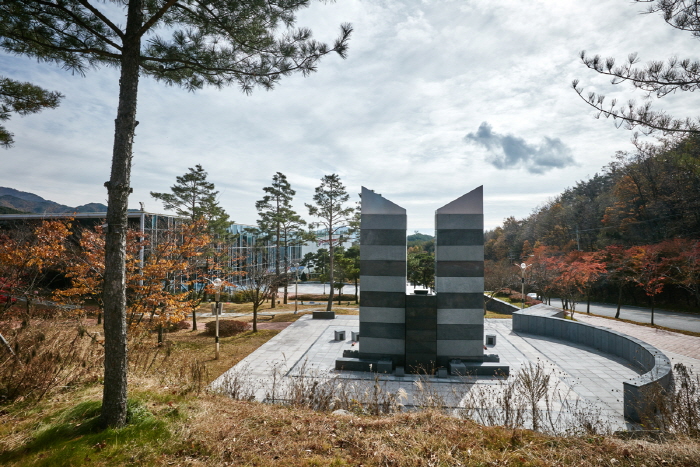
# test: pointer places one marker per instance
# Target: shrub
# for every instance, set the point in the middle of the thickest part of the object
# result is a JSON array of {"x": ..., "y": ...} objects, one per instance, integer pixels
[
  {"x": 179, "y": 326},
  {"x": 227, "y": 327},
  {"x": 47, "y": 358}
]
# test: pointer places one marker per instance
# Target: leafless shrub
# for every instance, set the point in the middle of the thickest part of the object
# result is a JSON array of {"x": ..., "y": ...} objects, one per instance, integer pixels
[
  {"x": 676, "y": 410},
  {"x": 237, "y": 385},
  {"x": 532, "y": 399},
  {"x": 166, "y": 366},
  {"x": 47, "y": 358},
  {"x": 368, "y": 396},
  {"x": 311, "y": 389},
  {"x": 426, "y": 395},
  {"x": 533, "y": 384}
]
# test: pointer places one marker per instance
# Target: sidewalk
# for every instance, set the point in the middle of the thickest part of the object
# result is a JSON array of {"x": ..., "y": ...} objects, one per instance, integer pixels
[
  {"x": 666, "y": 341},
  {"x": 307, "y": 349}
]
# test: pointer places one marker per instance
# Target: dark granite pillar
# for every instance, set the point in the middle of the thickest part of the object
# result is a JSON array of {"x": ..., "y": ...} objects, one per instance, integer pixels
[
  {"x": 382, "y": 278},
  {"x": 421, "y": 333},
  {"x": 459, "y": 278}
]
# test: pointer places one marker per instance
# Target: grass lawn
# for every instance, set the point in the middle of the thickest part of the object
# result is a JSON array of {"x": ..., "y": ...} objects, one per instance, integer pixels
[{"x": 174, "y": 420}]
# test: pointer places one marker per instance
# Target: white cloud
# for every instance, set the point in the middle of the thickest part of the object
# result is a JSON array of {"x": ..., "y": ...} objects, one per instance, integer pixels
[
  {"x": 509, "y": 152},
  {"x": 392, "y": 117}
]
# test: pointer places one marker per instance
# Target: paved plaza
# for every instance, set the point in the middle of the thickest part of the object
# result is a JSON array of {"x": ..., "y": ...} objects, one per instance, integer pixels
[{"x": 580, "y": 376}]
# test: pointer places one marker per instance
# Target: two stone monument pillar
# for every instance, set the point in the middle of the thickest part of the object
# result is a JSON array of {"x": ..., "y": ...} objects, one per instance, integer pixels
[{"x": 422, "y": 332}]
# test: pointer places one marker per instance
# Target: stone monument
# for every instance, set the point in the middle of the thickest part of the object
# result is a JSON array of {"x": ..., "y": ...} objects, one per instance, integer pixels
[{"x": 422, "y": 332}]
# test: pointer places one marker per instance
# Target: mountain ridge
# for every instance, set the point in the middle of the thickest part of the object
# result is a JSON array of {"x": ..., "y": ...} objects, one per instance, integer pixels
[{"x": 31, "y": 203}]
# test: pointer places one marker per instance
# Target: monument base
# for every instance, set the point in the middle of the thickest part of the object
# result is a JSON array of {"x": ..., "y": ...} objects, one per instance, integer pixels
[{"x": 488, "y": 367}]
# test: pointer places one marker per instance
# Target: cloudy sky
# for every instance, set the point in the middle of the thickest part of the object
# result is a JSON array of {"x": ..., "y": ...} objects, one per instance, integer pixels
[{"x": 434, "y": 99}]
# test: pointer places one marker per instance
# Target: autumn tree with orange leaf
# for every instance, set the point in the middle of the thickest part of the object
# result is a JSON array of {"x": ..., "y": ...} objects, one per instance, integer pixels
[
  {"x": 84, "y": 266},
  {"x": 158, "y": 288},
  {"x": 648, "y": 271},
  {"x": 682, "y": 259},
  {"x": 26, "y": 256},
  {"x": 85, "y": 269}
]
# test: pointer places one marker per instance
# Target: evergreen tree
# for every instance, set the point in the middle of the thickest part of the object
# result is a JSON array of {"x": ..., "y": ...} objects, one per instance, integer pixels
[
  {"x": 655, "y": 78},
  {"x": 179, "y": 42},
  {"x": 23, "y": 99},
  {"x": 353, "y": 272},
  {"x": 194, "y": 197},
  {"x": 328, "y": 207},
  {"x": 280, "y": 224}
]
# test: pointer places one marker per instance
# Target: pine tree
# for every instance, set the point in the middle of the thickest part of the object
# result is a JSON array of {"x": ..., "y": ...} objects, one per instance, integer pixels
[
  {"x": 179, "y": 42},
  {"x": 329, "y": 199},
  {"x": 279, "y": 223},
  {"x": 23, "y": 99},
  {"x": 655, "y": 78},
  {"x": 194, "y": 198}
]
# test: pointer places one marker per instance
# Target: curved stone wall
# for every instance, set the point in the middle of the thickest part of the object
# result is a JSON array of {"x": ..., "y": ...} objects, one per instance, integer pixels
[
  {"x": 547, "y": 321},
  {"x": 499, "y": 306}
]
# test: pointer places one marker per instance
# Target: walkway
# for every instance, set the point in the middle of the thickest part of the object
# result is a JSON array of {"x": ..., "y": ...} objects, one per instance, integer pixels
[
  {"x": 580, "y": 376},
  {"x": 680, "y": 348}
]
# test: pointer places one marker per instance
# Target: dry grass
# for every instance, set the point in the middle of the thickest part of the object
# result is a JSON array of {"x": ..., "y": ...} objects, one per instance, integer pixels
[
  {"x": 244, "y": 433},
  {"x": 197, "y": 346},
  {"x": 178, "y": 423},
  {"x": 493, "y": 314},
  {"x": 248, "y": 307},
  {"x": 212, "y": 430}
]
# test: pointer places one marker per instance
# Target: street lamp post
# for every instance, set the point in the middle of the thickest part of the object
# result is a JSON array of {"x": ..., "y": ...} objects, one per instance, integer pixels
[
  {"x": 217, "y": 286},
  {"x": 296, "y": 287},
  {"x": 523, "y": 267}
]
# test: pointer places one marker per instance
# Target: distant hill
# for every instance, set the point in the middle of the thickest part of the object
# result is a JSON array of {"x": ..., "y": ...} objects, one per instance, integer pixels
[
  {"x": 419, "y": 237},
  {"x": 6, "y": 210},
  {"x": 23, "y": 202}
]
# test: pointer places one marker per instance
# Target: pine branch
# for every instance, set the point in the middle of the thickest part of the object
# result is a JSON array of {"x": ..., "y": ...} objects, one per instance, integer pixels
[
  {"x": 155, "y": 18},
  {"x": 637, "y": 116},
  {"x": 103, "y": 18}
]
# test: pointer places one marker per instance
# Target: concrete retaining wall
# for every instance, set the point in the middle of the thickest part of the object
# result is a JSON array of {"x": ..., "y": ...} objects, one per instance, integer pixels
[
  {"x": 499, "y": 306},
  {"x": 547, "y": 321}
]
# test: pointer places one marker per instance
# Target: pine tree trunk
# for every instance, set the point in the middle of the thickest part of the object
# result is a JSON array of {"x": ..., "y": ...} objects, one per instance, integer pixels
[
  {"x": 286, "y": 269},
  {"x": 255, "y": 316},
  {"x": 114, "y": 396},
  {"x": 330, "y": 272}
]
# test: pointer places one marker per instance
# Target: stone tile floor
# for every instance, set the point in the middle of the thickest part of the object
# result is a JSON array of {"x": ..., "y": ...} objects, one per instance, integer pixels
[{"x": 580, "y": 377}]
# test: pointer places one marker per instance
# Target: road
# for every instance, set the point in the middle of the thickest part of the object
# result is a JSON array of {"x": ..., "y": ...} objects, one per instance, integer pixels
[
  {"x": 665, "y": 318},
  {"x": 318, "y": 288}
]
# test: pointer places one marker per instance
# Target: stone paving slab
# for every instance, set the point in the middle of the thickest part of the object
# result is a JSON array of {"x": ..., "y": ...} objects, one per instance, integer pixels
[{"x": 307, "y": 349}]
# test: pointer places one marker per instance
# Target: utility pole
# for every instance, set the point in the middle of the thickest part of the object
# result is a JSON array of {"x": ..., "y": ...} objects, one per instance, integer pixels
[{"x": 578, "y": 242}]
